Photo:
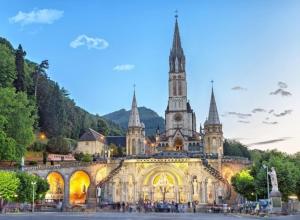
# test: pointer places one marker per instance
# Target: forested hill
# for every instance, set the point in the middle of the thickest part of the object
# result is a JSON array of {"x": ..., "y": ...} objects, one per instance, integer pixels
[
  {"x": 56, "y": 114},
  {"x": 149, "y": 117}
]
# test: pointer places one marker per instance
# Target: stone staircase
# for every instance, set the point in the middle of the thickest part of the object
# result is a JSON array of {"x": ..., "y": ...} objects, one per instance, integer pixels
[
  {"x": 111, "y": 174},
  {"x": 210, "y": 169}
]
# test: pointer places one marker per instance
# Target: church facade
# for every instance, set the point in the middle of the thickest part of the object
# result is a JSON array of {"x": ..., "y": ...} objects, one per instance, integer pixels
[{"x": 185, "y": 165}]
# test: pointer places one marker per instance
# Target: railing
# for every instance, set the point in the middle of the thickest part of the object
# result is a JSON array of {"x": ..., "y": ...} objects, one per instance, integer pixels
[
  {"x": 63, "y": 165},
  {"x": 218, "y": 175},
  {"x": 111, "y": 174}
]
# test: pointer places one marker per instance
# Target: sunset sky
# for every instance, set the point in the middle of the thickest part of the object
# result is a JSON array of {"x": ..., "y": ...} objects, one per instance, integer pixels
[{"x": 97, "y": 50}]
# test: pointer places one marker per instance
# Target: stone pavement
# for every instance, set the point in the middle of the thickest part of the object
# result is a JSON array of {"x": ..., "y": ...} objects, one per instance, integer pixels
[{"x": 132, "y": 216}]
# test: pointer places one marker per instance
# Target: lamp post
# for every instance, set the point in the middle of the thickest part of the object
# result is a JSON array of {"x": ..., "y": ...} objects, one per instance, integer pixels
[
  {"x": 267, "y": 168},
  {"x": 33, "y": 184}
]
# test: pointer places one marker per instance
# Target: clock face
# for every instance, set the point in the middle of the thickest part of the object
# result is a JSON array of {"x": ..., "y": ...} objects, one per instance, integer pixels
[{"x": 177, "y": 117}]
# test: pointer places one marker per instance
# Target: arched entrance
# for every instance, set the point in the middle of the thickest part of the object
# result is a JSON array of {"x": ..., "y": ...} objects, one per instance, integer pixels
[
  {"x": 164, "y": 183},
  {"x": 56, "y": 187},
  {"x": 79, "y": 184},
  {"x": 164, "y": 187},
  {"x": 178, "y": 143}
]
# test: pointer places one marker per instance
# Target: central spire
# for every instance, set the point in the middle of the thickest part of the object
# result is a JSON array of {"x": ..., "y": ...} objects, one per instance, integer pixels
[{"x": 176, "y": 58}]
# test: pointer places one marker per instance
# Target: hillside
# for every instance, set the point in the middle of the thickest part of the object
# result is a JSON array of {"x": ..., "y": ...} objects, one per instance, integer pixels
[
  {"x": 149, "y": 117},
  {"x": 56, "y": 113}
]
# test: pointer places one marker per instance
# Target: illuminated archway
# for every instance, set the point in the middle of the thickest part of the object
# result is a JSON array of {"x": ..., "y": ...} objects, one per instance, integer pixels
[
  {"x": 164, "y": 184},
  {"x": 79, "y": 183},
  {"x": 56, "y": 187},
  {"x": 178, "y": 144}
]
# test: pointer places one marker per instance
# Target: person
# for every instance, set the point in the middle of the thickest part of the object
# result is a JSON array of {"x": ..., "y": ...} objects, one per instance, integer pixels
[{"x": 194, "y": 207}]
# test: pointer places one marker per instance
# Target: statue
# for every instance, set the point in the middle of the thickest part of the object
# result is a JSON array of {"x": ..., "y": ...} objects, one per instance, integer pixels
[
  {"x": 130, "y": 189},
  {"x": 274, "y": 182},
  {"x": 195, "y": 186},
  {"x": 99, "y": 191}
]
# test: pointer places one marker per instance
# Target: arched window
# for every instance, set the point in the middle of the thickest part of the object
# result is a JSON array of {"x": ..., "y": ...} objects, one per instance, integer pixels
[
  {"x": 174, "y": 86},
  {"x": 179, "y": 88},
  {"x": 133, "y": 147}
]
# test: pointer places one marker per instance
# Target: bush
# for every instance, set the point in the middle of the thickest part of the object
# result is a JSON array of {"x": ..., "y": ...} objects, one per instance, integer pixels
[
  {"x": 37, "y": 147},
  {"x": 58, "y": 145},
  {"x": 32, "y": 163},
  {"x": 87, "y": 158},
  {"x": 78, "y": 156}
]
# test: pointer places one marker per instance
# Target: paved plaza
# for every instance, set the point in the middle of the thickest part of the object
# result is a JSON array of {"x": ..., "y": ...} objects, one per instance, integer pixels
[{"x": 133, "y": 216}]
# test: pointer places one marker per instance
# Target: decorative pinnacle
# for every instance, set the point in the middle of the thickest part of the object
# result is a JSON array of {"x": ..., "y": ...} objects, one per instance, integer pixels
[{"x": 212, "y": 83}]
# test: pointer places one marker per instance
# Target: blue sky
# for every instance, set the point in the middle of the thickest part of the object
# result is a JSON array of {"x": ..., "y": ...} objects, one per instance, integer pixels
[{"x": 247, "y": 45}]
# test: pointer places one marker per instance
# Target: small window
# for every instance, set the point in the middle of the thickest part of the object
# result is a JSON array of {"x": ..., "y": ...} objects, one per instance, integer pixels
[{"x": 86, "y": 143}]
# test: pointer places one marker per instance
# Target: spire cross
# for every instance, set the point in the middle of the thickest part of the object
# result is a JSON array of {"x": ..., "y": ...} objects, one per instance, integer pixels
[
  {"x": 134, "y": 86},
  {"x": 176, "y": 14},
  {"x": 212, "y": 83}
]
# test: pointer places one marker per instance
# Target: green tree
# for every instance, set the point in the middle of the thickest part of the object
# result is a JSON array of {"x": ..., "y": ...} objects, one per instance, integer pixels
[
  {"x": 9, "y": 184},
  {"x": 243, "y": 183},
  {"x": 235, "y": 148},
  {"x": 19, "y": 82},
  {"x": 7, "y": 144},
  {"x": 58, "y": 145},
  {"x": 115, "y": 150},
  {"x": 7, "y": 65},
  {"x": 25, "y": 188},
  {"x": 287, "y": 173},
  {"x": 19, "y": 115}
]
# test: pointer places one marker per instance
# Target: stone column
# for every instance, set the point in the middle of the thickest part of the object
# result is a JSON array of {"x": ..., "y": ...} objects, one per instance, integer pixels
[
  {"x": 205, "y": 191},
  {"x": 66, "y": 192},
  {"x": 91, "y": 196}
]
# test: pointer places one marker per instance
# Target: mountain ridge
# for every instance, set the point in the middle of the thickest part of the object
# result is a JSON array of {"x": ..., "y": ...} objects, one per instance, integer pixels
[{"x": 148, "y": 116}]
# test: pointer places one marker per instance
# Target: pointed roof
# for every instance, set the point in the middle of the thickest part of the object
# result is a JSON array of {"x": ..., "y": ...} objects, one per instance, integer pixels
[
  {"x": 134, "y": 118},
  {"x": 176, "y": 58},
  {"x": 213, "y": 116},
  {"x": 92, "y": 135},
  {"x": 176, "y": 46},
  {"x": 176, "y": 38}
]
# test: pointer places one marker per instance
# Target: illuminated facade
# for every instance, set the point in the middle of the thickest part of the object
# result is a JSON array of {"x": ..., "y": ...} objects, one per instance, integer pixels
[{"x": 186, "y": 165}]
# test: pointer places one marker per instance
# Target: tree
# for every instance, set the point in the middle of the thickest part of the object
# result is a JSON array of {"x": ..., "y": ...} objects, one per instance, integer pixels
[
  {"x": 58, "y": 145},
  {"x": 287, "y": 173},
  {"x": 115, "y": 150},
  {"x": 235, "y": 148},
  {"x": 7, "y": 144},
  {"x": 25, "y": 188},
  {"x": 19, "y": 116},
  {"x": 40, "y": 70},
  {"x": 19, "y": 82},
  {"x": 7, "y": 65},
  {"x": 243, "y": 183},
  {"x": 9, "y": 184}
]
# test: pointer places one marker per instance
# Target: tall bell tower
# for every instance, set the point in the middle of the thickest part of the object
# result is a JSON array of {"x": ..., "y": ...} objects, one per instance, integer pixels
[{"x": 180, "y": 118}]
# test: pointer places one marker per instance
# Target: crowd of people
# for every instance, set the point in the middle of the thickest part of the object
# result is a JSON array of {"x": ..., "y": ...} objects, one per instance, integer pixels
[{"x": 147, "y": 206}]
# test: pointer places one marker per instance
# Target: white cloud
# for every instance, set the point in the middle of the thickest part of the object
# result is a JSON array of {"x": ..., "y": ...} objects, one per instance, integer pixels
[
  {"x": 42, "y": 16},
  {"x": 90, "y": 42},
  {"x": 124, "y": 67}
]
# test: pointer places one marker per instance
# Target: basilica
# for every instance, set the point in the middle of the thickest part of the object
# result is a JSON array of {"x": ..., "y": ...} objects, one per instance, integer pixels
[
  {"x": 185, "y": 165},
  {"x": 182, "y": 165}
]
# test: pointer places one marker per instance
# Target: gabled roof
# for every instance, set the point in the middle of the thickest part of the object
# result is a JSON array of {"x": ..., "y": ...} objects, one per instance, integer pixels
[{"x": 92, "y": 135}]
